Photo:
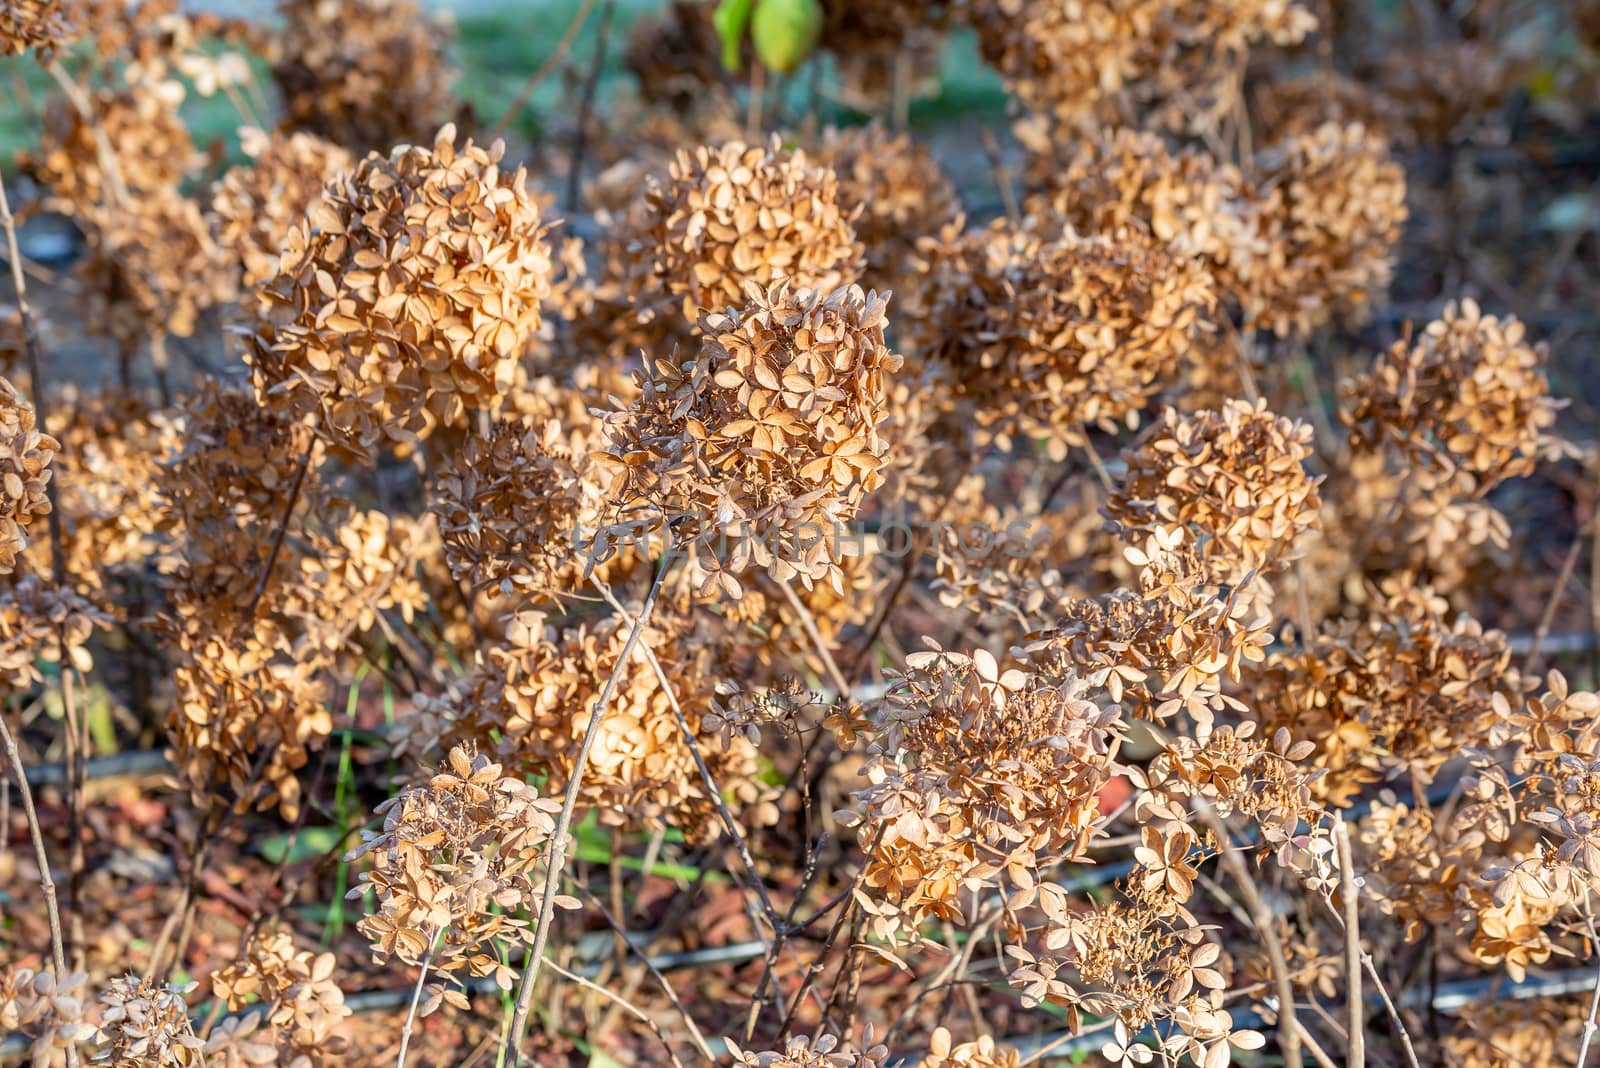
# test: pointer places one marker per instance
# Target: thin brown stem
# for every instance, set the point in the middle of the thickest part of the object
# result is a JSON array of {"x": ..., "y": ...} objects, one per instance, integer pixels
[
  {"x": 47, "y": 885},
  {"x": 78, "y": 774},
  {"x": 809, "y": 623},
  {"x": 591, "y": 84},
  {"x": 1261, "y": 919},
  {"x": 283, "y": 528},
  {"x": 569, "y": 803},
  {"x": 104, "y": 153},
  {"x": 416, "y": 999},
  {"x": 1568, "y": 565},
  {"x": 579, "y": 17},
  {"x": 1355, "y": 1012},
  {"x": 645, "y": 963},
  {"x": 628, "y": 1006}
]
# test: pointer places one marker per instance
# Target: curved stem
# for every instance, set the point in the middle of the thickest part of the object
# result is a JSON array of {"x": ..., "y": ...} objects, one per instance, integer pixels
[{"x": 569, "y": 803}]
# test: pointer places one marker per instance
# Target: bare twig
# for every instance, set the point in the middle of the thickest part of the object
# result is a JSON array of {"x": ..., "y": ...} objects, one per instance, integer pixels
[
  {"x": 1355, "y": 1018},
  {"x": 47, "y": 884},
  {"x": 558, "y": 842},
  {"x": 591, "y": 84},
  {"x": 283, "y": 528},
  {"x": 649, "y": 965},
  {"x": 416, "y": 999},
  {"x": 106, "y": 156},
  {"x": 1568, "y": 564},
  {"x": 809, "y": 623},
  {"x": 579, "y": 17},
  {"x": 1261, "y": 919},
  {"x": 632, "y": 1009}
]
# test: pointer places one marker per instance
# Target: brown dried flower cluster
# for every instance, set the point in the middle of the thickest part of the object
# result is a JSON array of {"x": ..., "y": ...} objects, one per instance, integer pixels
[
  {"x": 153, "y": 271},
  {"x": 256, "y": 207},
  {"x": 1467, "y": 402},
  {"x": 303, "y": 1005},
  {"x": 405, "y": 297},
  {"x": 725, "y": 217},
  {"x": 149, "y": 142},
  {"x": 25, "y": 455},
  {"x": 40, "y": 25},
  {"x": 456, "y": 858},
  {"x": 884, "y": 51},
  {"x": 1046, "y": 336},
  {"x": 144, "y": 1024},
  {"x": 753, "y": 448},
  {"x": 1076, "y": 59},
  {"x": 896, "y": 193},
  {"x": 1322, "y": 213},
  {"x": 1234, "y": 479},
  {"x": 365, "y": 74},
  {"x": 512, "y": 508},
  {"x": 1400, "y": 688},
  {"x": 676, "y": 57},
  {"x": 979, "y": 777},
  {"x": 531, "y": 700},
  {"x": 820, "y": 1051},
  {"x": 1165, "y": 646}
]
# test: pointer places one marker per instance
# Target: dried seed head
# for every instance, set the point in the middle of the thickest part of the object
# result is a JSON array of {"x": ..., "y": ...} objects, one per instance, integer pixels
[
  {"x": 25, "y": 455},
  {"x": 255, "y": 207},
  {"x": 1235, "y": 479},
  {"x": 895, "y": 191},
  {"x": 511, "y": 509},
  {"x": 676, "y": 56},
  {"x": 41, "y": 25},
  {"x": 1043, "y": 336},
  {"x": 769, "y": 430},
  {"x": 739, "y": 214},
  {"x": 1316, "y": 228},
  {"x": 883, "y": 48},
  {"x": 458, "y": 856},
  {"x": 145, "y": 1025},
  {"x": 149, "y": 141},
  {"x": 405, "y": 297},
  {"x": 1467, "y": 402},
  {"x": 151, "y": 269},
  {"x": 366, "y": 74}
]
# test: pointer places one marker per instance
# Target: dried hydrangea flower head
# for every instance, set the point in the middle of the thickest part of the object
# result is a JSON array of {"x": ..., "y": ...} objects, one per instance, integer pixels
[
  {"x": 1403, "y": 688},
  {"x": 40, "y": 25},
  {"x": 152, "y": 270},
  {"x": 457, "y": 857},
  {"x": 737, "y": 214},
  {"x": 1079, "y": 60},
  {"x": 146, "y": 1025},
  {"x": 1321, "y": 214},
  {"x": 820, "y": 1051},
  {"x": 771, "y": 425},
  {"x": 895, "y": 191},
  {"x": 534, "y": 695},
  {"x": 884, "y": 51},
  {"x": 1044, "y": 336},
  {"x": 979, "y": 777},
  {"x": 676, "y": 56},
  {"x": 1129, "y": 178},
  {"x": 255, "y": 207},
  {"x": 510, "y": 506},
  {"x": 48, "y": 1013},
  {"x": 304, "y": 1007},
  {"x": 1467, "y": 401},
  {"x": 982, "y": 1052},
  {"x": 1167, "y": 645},
  {"x": 1235, "y": 479},
  {"x": 42, "y": 622},
  {"x": 147, "y": 135},
  {"x": 25, "y": 455},
  {"x": 113, "y": 444},
  {"x": 366, "y": 74},
  {"x": 410, "y": 291}
]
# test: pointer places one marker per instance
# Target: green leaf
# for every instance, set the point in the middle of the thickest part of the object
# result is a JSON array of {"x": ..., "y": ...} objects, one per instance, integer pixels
[
  {"x": 731, "y": 20},
  {"x": 785, "y": 32},
  {"x": 310, "y": 843}
]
